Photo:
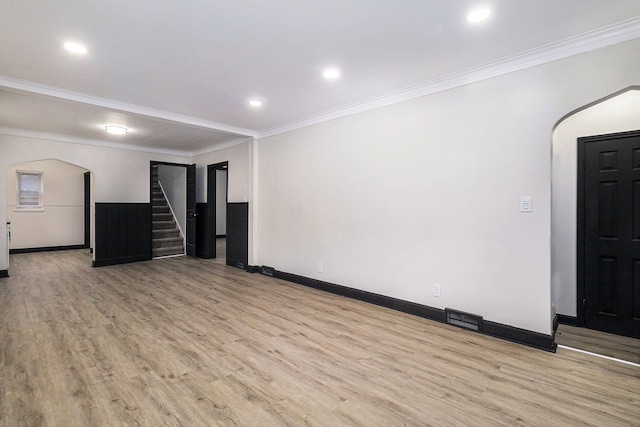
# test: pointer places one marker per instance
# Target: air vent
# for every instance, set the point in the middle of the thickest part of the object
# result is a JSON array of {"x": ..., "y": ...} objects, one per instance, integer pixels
[
  {"x": 267, "y": 271},
  {"x": 464, "y": 320}
]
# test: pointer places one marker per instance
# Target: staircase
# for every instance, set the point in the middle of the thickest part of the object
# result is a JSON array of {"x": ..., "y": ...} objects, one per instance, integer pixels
[{"x": 167, "y": 239}]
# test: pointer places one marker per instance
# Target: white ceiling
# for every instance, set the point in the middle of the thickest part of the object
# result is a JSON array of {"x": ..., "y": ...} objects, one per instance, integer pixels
[{"x": 179, "y": 74}]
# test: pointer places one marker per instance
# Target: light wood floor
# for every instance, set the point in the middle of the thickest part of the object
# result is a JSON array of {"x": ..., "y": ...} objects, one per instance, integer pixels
[
  {"x": 623, "y": 348},
  {"x": 189, "y": 342}
]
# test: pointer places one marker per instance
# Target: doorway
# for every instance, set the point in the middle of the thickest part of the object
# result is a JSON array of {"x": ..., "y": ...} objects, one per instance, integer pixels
[
  {"x": 609, "y": 233},
  {"x": 212, "y": 215},
  {"x": 173, "y": 211}
]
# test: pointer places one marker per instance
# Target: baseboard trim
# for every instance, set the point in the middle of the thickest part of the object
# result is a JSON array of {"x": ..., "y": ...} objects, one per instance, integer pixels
[
  {"x": 252, "y": 268},
  {"x": 4, "y": 273},
  {"x": 45, "y": 249},
  {"x": 497, "y": 330},
  {"x": 567, "y": 320},
  {"x": 121, "y": 260}
]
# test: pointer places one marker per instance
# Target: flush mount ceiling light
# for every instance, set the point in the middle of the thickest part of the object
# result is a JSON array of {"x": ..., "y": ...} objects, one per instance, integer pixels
[
  {"x": 115, "y": 130},
  {"x": 74, "y": 47},
  {"x": 255, "y": 103},
  {"x": 331, "y": 73},
  {"x": 478, "y": 15}
]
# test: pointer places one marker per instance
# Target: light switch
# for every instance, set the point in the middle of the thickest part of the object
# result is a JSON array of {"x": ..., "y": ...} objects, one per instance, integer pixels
[{"x": 525, "y": 204}]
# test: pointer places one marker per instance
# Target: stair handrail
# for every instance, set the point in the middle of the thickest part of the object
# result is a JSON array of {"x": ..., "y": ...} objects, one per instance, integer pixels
[{"x": 184, "y": 243}]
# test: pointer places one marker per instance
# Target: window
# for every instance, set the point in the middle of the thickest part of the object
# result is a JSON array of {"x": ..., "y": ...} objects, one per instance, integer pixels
[{"x": 29, "y": 190}]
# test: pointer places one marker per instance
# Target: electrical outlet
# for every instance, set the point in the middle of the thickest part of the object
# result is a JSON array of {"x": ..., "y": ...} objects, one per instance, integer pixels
[
  {"x": 436, "y": 290},
  {"x": 320, "y": 267}
]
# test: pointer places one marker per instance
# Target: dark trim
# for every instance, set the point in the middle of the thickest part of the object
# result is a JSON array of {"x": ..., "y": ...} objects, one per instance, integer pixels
[
  {"x": 87, "y": 209},
  {"x": 567, "y": 320},
  {"x": 520, "y": 336},
  {"x": 120, "y": 260},
  {"x": 212, "y": 204},
  {"x": 498, "y": 330},
  {"x": 252, "y": 268},
  {"x": 4, "y": 273},
  {"x": 221, "y": 236},
  {"x": 45, "y": 249}
]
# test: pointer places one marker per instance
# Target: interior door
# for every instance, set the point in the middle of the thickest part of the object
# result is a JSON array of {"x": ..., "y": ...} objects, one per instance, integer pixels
[
  {"x": 191, "y": 210},
  {"x": 238, "y": 234},
  {"x": 610, "y": 222}
]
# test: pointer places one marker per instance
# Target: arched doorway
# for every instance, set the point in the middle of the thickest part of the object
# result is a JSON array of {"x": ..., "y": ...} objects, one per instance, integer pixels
[
  {"x": 50, "y": 206},
  {"x": 617, "y": 113}
]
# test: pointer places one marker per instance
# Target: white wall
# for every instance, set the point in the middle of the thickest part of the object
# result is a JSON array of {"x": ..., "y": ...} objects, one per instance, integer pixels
[
  {"x": 460, "y": 161},
  {"x": 618, "y": 114},
  {"x": 60, "y": 222},
  {"x": 221, "y": 202},
  {"x": 174, "y": 183},
  {"x": 120, "y": 175},
  {"x": 239, "y": 177}
]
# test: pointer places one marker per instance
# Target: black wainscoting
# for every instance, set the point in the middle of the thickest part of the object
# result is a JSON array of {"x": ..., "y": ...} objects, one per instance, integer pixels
[
  {"x": 46, "y": 249},
  {"x": 506, "y": 332},
  {"x": 238, "y": 234},
  {"x": 4, "y": 273},
  {"x": 123, "y": 233}
]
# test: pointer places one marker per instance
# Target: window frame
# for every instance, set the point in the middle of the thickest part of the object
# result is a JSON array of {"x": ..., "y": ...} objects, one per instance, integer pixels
[{"x": 19, "y": 205}]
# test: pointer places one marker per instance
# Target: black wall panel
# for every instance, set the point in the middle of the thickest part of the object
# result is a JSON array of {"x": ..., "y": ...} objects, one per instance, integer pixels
[
  {"x": 123, "y": 233},
  {"x": 238, "y": 234}
]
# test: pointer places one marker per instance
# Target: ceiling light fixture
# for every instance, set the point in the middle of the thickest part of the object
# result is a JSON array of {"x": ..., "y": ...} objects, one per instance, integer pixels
[
  {"x": 115, "y": 130},
  {"x": 255, "y": 103},
  {"x": 478, "y": 15},
  {"x": 331, "y": 73},
  {"x": 74, "y": 47}
]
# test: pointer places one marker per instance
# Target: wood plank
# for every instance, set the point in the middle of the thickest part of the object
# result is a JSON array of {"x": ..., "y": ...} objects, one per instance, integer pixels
[{"x": 186, "y": 341}]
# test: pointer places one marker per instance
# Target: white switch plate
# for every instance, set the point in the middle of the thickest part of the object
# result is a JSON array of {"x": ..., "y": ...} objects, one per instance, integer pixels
[
  {"x": 525, "y": 204},
  {"x": 436, "y": 290},
  {"x": 320, "y": 267}
]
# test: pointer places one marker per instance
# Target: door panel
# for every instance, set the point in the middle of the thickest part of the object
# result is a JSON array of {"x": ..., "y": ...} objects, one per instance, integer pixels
[
  {"x": 191, "y": 210},
  {"x": 611, "y": 227}
]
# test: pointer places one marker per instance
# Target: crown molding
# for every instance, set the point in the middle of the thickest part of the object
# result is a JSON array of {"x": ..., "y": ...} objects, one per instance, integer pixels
[
  {"x": 82, "y": 141},
  {"x": 589, "y": 41},
  {"x": 40, "y": 89},
  {"x": 221, "y": 146}
]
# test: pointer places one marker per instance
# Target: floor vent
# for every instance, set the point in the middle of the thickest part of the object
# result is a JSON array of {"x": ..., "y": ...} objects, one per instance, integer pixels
[
  {"x": 267, "y": 271},
  {"x": 464, "y": 320}
]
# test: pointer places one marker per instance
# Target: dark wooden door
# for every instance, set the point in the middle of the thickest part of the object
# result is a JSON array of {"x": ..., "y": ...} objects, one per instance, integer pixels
[
  {"x": 87, "y": 209},
  {"x": 610, "y": 222},
  {"x": 191, "y": 210}
]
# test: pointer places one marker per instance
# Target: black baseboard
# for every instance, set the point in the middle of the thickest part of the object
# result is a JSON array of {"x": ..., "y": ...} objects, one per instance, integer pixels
[
  {"x": 45, "y": 249},
  {"x": 567, "y": 320},
  {"x": 121, "y": 260},
  {"x": 4, "y": 273},
  {"x": 252, "y": 268},
  {"x": 498, "y": 330},
  {"x": 221, "y": 236},
  {"x": 238, "y": 263}
]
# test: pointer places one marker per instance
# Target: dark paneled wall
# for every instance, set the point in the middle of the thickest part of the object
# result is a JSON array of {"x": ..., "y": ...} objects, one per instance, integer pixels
[
  {"x": 238, "y": 234},
  {"x": 123, "y": 233}
]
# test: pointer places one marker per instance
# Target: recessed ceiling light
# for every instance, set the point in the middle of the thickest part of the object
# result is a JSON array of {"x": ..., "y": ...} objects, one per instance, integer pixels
[
  {"x": 255, "y": 103},
  {"x": 478, "y": 15},
  {"x": 331, "y": 73},
  {"x": 75, "y": 48},
  {"x": 115, "y": 130}
]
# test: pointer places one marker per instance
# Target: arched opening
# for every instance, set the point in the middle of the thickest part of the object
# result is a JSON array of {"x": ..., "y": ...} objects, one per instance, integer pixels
[
  {"x": 619, "y": 112},
  {"x": 50, "y": 206}
]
